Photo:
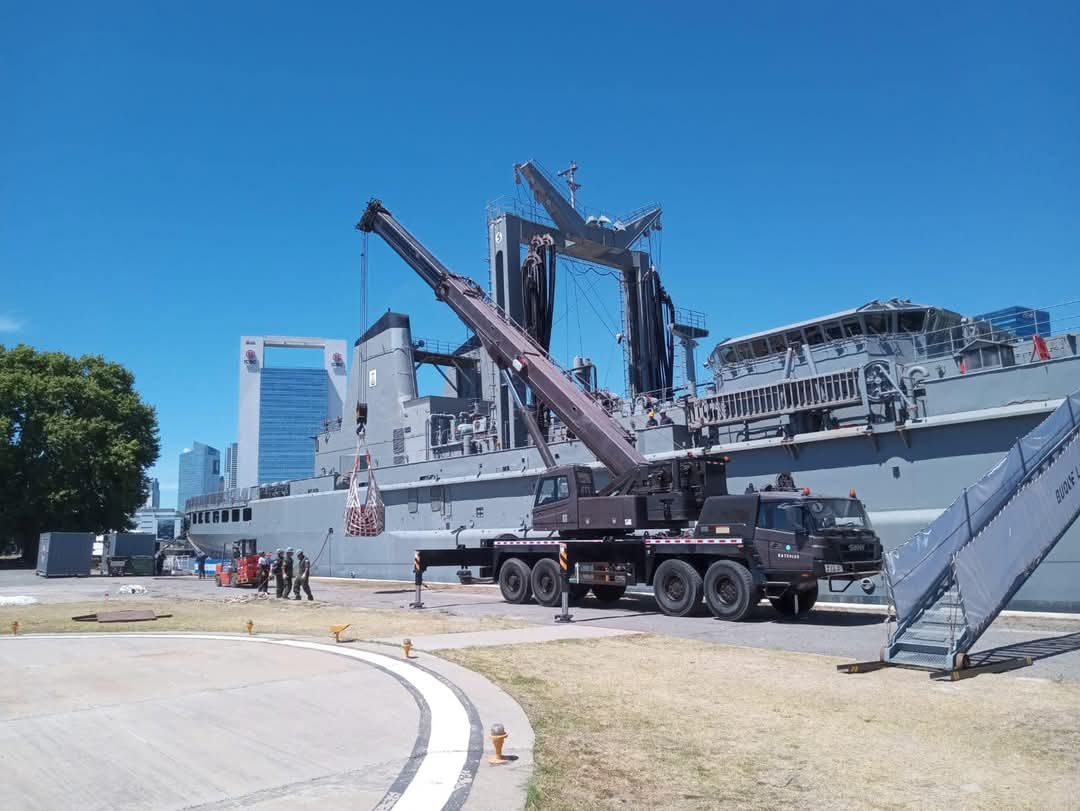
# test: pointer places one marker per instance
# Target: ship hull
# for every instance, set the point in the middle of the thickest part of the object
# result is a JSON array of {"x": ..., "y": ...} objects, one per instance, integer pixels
[{"x": 904, "y": 477}]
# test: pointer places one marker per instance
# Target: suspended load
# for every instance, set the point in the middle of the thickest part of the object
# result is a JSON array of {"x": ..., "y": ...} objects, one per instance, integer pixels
[{"x": 367, "y": 518}]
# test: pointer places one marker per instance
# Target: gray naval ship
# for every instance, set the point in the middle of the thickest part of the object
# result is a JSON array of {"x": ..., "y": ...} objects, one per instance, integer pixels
[{"x": 903, "y": 403}]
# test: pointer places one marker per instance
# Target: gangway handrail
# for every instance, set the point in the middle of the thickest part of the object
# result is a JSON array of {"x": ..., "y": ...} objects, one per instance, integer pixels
[{"x": 1032, "y": 469}]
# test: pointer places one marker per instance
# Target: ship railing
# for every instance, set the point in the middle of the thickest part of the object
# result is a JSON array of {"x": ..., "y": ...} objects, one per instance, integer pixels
[{"x": 826, "y": 391}]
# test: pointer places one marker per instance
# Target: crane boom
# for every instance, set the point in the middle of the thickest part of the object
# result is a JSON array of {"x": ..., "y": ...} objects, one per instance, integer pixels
[{"x": 510, "y": 347}]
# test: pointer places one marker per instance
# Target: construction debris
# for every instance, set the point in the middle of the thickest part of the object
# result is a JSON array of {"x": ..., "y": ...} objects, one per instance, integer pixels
[{"x": 8, "y": 601}]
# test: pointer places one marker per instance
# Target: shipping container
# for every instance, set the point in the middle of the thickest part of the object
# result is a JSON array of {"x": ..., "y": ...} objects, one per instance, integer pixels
[{"x": 65, "y": 554}]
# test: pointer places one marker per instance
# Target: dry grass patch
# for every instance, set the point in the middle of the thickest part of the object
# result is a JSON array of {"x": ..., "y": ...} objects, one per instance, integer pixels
[
  {"x": 269, "y": 616},
  {"x": 652, "y": 722}
]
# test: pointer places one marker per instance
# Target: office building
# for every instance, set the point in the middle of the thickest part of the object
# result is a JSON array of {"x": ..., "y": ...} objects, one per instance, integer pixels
[
  {"x": 1021, "y": 321},
  {"x": 283, "y": 408},
  {"x": 200, "y": 473},
  {"x": 153, "y": 495},
  {"x": 230, "y": 466}
]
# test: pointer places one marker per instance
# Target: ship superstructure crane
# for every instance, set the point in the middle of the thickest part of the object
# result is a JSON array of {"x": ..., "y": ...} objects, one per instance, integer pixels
[{"x": 510, "y": 346}]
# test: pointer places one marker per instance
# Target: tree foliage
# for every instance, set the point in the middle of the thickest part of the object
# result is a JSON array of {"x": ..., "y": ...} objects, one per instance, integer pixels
[{"x": 75, "y": 444}]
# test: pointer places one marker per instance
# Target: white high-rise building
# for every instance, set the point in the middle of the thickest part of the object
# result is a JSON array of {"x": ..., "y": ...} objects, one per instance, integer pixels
[{"x": 283, "y": 408}]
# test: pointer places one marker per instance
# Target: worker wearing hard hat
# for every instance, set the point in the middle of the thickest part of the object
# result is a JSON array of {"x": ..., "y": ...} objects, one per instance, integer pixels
[
  {"x": 288, "y": 566},
  {"x": 303, "y": 572},
  {"x": 277, "y": 569}
]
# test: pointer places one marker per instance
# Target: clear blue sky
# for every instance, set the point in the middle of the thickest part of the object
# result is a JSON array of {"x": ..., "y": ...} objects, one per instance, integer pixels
[{"x": 173, "y": 176}]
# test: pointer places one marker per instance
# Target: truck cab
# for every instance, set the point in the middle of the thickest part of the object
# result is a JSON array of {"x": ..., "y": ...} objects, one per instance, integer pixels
[{"x": 794, "y": 532}]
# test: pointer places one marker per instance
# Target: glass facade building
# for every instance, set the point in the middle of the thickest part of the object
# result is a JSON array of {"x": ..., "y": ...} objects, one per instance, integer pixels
[
  {"x": 292, "y": 411},
  {"x": 1021, "y": 321},
  {"x": 230, "y": 466},
  {"x": 200, "y": 473}
]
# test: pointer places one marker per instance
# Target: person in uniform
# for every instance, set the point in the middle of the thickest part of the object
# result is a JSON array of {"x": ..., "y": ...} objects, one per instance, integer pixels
[
  {"x": 264, "y": 573},
  {"x": 288, "y": 567},
  {"x": 201, "y": 560},
  {"x": 303, "y": 572},
  {"x": 651, "y": 421},
  {"x": 665, "y": 419},
  {"x": 277, "y": 568}
]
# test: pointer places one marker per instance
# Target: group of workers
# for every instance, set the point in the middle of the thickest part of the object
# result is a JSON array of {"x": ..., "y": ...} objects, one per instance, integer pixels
[
  {"x": 290, "y": 574},
  {"x": 664, "y": 419}
]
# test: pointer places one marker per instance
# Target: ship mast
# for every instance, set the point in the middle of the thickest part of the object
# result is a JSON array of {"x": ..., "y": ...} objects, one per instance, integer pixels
[{"x": 568, "y": 173}]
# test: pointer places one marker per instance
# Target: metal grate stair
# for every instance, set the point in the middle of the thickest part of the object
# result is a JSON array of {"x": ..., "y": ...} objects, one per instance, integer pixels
[{"x": 978, "y": 554}]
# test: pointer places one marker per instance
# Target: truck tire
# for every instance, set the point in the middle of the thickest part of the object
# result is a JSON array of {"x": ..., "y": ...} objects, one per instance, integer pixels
[
  {"x": 514, "y": 581},
  {"x": 785, "y": 604},
  {"x": 677, "y": 588},
  {"x": 547, "y": 582},
  {"x": 729, "y": 590},
  {"x": 608, "y": 595}
]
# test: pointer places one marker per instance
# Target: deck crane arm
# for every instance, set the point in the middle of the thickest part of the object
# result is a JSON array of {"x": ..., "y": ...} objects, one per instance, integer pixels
[{"x": 511, "y": 347}]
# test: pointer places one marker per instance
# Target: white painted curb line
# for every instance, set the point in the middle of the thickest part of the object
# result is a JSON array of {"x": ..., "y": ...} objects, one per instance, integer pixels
[{"x": 448, "y": 744}]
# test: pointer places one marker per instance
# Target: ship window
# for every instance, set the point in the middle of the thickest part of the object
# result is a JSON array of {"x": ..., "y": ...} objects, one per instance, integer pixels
[
  {"x": 436, "y": 499},
  {"x": 913, "y": 322},
  {"x": 759, "y": 347},
  {"x": 744, "y": 352},
  {"x": 877, "y": 324},
  {"x": 727, "y": 355},
  {"x": 236, "y": 514},
  {"x": 833, "y": 331},
  {"x": 814, "y": 336},
  {"x": 217, "y": 516},
  {"x": 247, "y": 513},
  {"x": 776, "y": 343},
  {"x": 205, "y": 518},
  {"x": 414, "y": 499},
  {"x": 224, "y": 516},
  {"x": 852, "y": 327},
  {"x": 795, "y": 338},
  {"x": 480, "y": 512}
]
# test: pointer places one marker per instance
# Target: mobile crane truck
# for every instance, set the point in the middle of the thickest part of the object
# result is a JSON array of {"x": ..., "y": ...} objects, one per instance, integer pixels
[{"x": 670, "y": 524}]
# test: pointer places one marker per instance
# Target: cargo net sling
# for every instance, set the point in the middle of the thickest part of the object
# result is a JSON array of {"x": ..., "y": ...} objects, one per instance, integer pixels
[{"x": 363, "y": 519}]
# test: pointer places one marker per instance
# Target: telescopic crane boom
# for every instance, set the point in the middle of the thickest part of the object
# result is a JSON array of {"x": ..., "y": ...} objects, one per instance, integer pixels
[{"x": 511, "y": 347}]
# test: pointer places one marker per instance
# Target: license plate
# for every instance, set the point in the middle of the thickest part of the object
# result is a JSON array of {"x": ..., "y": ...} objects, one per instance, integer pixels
[
  {"x": 833, "y": 568},
  {"x": 856, "y": 547}
]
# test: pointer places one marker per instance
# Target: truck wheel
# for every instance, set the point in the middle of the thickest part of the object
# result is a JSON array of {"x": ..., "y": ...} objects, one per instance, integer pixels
[
  {"x": 786, "y": 604},
  {"x": 578, "y": 592},
  {"x": 608, "y": 594},
  {"x": 729, "y": 590},
  {"x": 677, "y": 587},
  {"x": 547, "y": 582},
  {"x": 514, "y": 581}
]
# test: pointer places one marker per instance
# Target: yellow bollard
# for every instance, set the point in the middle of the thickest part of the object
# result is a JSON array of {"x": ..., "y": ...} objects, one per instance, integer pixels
[
  {"x": 407, "y": 646},
  {"x": 249, "y": 625},
  {"x": 15, "y": 628},
  {"x": 498, "y": 737}
]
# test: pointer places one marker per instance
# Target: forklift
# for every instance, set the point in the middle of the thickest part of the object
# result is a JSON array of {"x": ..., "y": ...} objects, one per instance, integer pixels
[{"x": 244, "y": 569}]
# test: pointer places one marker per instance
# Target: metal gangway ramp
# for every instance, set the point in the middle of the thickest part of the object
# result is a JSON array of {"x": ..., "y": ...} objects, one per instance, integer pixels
[{"x": 952, "y": 579}]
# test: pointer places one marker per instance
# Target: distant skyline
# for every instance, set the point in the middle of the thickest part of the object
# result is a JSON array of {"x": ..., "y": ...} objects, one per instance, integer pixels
[{"x": 175, "y": 177}]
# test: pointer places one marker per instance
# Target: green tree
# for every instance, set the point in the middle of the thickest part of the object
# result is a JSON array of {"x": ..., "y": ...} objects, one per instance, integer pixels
[{"x": 75, "y": 444}]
